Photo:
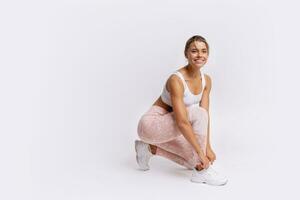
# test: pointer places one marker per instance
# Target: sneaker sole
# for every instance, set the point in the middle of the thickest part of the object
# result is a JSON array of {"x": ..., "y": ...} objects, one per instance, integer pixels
[{"x": 204, "y": 182}]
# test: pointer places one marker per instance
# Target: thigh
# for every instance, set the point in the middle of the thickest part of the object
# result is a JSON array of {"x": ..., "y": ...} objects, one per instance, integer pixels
[{"x": 158, "y": 128}]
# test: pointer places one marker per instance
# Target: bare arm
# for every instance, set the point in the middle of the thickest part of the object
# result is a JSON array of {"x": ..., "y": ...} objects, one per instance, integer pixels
[
  {"x": 205, "y": 104},
  {"x": 176, "y": 90}
]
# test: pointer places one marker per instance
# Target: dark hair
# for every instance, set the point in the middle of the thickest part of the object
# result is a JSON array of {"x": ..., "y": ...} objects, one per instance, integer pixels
[{"x": 193, "y": 39}]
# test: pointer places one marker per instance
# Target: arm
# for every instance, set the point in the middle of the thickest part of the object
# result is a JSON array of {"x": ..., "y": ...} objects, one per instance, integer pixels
[
  {"x": 205, "y": 104},
  {"x": 181, "y": 116}
]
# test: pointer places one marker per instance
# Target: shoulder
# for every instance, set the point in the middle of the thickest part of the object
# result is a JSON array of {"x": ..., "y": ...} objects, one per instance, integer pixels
[
  {"x": 174, "y": 78},
  {"x": 175, "y": 85},
  {"x": 208, "y": 81},
  {"x": 207, "y": 78}
]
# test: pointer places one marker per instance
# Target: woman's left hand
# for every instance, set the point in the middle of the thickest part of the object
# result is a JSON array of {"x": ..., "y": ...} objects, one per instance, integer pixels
[{"x": 210, "y": 155}]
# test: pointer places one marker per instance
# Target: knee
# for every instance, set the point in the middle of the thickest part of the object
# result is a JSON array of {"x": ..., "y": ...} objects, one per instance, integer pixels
[
  {"x": 198, "y": 112},
  {"x": 142, "y": 127},
  {"x": 146, "y": 129},
  {"x": 202, "y": 111}
]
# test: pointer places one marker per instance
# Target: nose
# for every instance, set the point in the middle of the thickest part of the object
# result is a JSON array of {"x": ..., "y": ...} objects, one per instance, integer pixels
[{"x": 200, "y": 54}]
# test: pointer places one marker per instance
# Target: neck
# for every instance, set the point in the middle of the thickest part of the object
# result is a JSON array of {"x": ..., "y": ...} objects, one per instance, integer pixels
[{"x": 191, "y": 71}]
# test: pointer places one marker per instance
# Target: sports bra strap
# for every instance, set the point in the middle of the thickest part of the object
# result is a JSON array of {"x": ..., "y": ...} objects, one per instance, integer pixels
[
  {"x": 184, "y": 82},
  {"x": 181, "y": 77}
]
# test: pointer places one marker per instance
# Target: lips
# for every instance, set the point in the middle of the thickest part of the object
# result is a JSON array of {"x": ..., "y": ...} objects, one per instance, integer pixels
[{"x": 199, "y": 60}]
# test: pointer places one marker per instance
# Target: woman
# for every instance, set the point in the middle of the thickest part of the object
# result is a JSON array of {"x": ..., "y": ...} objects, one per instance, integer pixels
[{"x": 177, "y": 124}]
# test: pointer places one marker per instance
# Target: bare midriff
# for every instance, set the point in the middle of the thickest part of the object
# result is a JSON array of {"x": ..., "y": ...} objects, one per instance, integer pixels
[{"x": 162, "y": 104}]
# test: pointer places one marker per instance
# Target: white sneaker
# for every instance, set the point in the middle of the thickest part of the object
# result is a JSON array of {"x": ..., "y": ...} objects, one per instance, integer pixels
[
  {"x": 143, "y": 154},
  {"x": 208, "y": 176}
]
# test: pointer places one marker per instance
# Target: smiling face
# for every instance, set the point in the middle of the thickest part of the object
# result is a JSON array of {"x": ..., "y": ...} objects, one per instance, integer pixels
[{"x": 197, "y": 54}]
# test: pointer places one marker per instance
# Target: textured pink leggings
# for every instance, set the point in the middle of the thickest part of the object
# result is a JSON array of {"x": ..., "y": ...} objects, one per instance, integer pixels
[{"x": 158, "y": 127}]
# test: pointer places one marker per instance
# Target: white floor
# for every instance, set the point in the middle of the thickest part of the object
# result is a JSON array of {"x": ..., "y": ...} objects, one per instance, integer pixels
[
  {"x": 82, "y": 164},
  {"x": 256, "y": 170},
  {"x": 248, "y": 179}
]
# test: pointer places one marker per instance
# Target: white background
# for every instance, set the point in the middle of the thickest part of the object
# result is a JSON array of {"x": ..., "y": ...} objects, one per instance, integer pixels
[{"x": 75, "y": 76}]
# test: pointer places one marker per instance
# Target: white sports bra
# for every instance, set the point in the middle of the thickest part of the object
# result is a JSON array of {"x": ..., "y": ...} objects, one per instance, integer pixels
[{"x": 188, "y": 98}]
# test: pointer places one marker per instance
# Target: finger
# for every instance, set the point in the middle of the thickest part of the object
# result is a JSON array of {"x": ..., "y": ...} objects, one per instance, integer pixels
[
  {"x": 201, "y": 165},
  {"x": 207, "y": 165}
]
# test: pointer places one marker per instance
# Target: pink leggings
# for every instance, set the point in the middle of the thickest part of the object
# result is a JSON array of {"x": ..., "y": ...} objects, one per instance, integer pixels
[{"x": 158, "y": 127}]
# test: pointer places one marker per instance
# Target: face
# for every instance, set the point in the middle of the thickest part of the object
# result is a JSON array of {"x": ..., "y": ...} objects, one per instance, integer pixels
[{"x": 197, "y": 54}]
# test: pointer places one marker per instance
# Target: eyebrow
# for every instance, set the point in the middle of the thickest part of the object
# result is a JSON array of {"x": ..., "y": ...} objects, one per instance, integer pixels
[{"x": 193, "y": 48}]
